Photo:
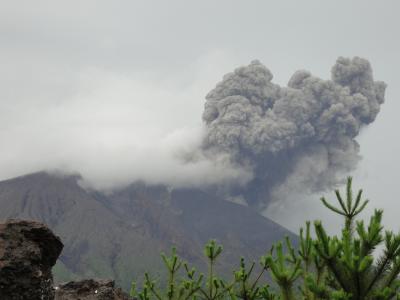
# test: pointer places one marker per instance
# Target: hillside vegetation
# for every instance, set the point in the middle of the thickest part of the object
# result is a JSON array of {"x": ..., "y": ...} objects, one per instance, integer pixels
[{"x": 324, "y": 267}]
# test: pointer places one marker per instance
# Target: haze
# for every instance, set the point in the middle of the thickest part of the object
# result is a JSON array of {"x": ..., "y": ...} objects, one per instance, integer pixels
[{"x": 116, "y": 90}]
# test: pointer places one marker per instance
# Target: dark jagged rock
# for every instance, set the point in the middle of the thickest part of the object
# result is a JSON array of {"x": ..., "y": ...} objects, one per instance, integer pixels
[
  {"x": 90, "y": 290},
  {"x": 28, "y": 251}
]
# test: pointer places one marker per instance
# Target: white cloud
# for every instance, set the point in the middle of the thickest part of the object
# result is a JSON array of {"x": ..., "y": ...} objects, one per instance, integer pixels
[
  {"x": 115, "y": 89},
  {"x": 113, "y": 128}
]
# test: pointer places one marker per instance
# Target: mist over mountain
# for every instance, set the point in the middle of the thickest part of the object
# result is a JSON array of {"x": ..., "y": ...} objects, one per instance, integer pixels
[
  {"x": 116, "y": 92},
  {"x": 132, "y": 127},
  {"x": 258, "y": 142},
  {"x": 120, "y": 235}
]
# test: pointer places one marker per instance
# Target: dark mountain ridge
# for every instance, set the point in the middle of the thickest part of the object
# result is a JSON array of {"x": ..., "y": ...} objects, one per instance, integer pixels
[{"x": 120, "y": 235}]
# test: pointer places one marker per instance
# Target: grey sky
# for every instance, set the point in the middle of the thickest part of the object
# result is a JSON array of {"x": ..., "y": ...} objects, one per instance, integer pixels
[{"x": 114, "y": 89}]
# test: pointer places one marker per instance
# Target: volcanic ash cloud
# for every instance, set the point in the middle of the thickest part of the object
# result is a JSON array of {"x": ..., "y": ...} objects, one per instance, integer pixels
[{"x": 303, "y": 134}]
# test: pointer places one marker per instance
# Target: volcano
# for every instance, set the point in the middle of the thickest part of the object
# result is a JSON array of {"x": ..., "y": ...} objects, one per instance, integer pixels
[{"x": 120, "y": 234}]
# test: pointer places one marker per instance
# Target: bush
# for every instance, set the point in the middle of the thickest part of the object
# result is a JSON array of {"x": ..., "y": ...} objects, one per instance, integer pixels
[{"x": 324, "y": 267}]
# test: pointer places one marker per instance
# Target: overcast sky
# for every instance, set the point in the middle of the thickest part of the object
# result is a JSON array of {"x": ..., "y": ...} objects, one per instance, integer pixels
[{"x": 115, "y": 89}]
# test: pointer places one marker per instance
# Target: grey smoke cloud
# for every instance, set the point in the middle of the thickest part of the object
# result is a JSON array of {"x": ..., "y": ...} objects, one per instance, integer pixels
[
  {"x": 108, "y": 88},
  {"x": 299, "y": 135},
  {"x": 261, "y": 141}
]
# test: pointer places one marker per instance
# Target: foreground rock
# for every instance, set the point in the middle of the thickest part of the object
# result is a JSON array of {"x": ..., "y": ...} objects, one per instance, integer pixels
[
  {"x": 28, "y": 251},
  {"x": 90, "y": 290}
]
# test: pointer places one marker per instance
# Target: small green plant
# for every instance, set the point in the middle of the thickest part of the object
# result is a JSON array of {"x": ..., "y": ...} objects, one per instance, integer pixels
[
  {"x": 183, "y": 288},
  {"x": 325, "y": 267},
  {"x": 285, "y": 269},
  {"x": 243, "y": 287},
  {"x": 352, "y": 272}
]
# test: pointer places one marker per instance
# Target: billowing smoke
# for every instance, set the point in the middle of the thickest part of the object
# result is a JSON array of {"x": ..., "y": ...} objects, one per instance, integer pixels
[
  {"x": 300, "y": 135},
  {"x": 258, "y": 142}
]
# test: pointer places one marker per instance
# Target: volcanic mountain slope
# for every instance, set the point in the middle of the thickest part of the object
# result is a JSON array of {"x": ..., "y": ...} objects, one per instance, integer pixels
[{"x": 120, "y": 235}]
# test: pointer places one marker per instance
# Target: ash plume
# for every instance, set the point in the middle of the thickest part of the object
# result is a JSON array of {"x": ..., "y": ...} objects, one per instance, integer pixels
[{"x": 300, "y": 135}]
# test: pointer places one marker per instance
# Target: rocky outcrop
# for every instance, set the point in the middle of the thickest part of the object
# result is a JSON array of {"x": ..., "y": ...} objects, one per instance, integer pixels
[
  {"x": 90, "y": 290},
  {"x": 28, "y": 251}
]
